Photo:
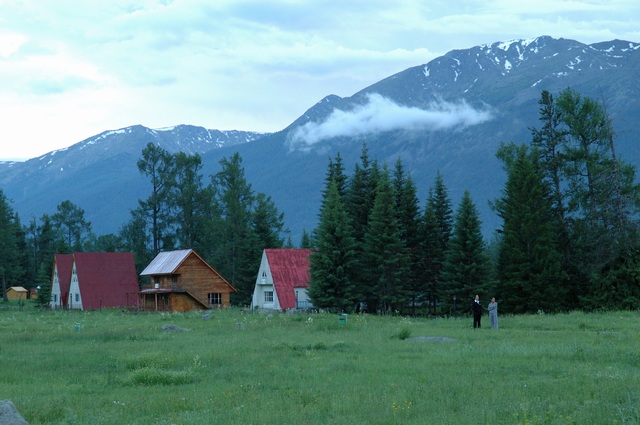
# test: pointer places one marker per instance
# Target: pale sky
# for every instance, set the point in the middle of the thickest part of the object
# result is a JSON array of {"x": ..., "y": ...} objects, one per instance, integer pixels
[{"x": 71, "y": 69}]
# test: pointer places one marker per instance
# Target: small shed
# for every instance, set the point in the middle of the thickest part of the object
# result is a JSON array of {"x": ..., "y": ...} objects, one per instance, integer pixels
[
  {"x": 17, "y": 293},
  {"x": 183, "y": 281},
  {"x": 283, "y": 280}
]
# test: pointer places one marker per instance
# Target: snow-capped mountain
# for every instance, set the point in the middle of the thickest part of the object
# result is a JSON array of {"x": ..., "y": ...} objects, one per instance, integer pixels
[{"x": 448, "y": 115}]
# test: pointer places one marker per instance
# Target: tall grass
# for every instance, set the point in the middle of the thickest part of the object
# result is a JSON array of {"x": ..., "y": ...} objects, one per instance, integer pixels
[{"x": 118, "y": 368}]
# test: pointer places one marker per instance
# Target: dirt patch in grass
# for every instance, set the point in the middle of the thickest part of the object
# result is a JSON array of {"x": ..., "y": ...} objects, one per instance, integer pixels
[{"x": 430, "y": 339}]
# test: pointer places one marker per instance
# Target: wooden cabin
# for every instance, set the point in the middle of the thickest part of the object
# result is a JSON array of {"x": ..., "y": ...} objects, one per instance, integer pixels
[
  {"x": 182, "y": 281},
  {"x": 283, "y": 280}
]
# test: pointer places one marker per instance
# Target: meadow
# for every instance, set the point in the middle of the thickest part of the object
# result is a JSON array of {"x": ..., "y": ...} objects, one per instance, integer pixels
[{"x": 235, "y": 367}]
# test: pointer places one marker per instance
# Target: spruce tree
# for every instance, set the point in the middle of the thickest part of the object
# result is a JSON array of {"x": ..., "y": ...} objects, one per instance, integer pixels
[
  {"x": 465, "y": 271},
  {"x": 333, "y": 263},
  {"x": 235, "y": 249},
  {"x": 435, "y": 232},
  {"x": 385, "y": 262},
  {"x": 408, "y": 215},
  {"x": 530, "y": 271}
]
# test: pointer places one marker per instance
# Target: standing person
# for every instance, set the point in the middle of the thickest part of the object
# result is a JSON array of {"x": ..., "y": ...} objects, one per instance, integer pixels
[
  {"x": 476, "y": 308},
  {"x": 493, "y": 313}
]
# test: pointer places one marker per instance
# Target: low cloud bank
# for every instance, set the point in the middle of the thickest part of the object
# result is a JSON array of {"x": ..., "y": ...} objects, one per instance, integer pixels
[{"x": 380, "y": 114}]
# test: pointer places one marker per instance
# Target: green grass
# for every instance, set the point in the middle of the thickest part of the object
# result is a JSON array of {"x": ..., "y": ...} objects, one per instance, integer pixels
[{"x": 120, "y": 368}]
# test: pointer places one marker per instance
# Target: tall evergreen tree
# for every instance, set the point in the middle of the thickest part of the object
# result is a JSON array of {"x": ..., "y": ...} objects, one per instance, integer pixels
[
  {"x": 385, "y": 262},
  {"x": 408, "y": 215},
  {"x": 157, "y": 164},
  {"x": 235, "y": 249},
  {"x": 530, "y": 271},
  {"x": 73, "y": 228},
  {"x": 466, "y": 268},
  {"x": 333, "y": 263},
  {"x": 136, "y": 237},
  {"x": 435, "y": 231},
  {"x": 268, "y": 222},
  {"x": 358, "y": 203},
  {"x": 10, "y": 264},
  {"x": 190, "y": 202}
]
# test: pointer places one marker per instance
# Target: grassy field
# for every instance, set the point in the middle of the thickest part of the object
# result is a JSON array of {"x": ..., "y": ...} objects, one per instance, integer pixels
[{"x": 108, "y": 367}]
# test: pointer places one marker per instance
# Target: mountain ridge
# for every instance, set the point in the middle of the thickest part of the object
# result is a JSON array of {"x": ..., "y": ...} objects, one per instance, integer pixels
[{"x": 503, "y": 79}]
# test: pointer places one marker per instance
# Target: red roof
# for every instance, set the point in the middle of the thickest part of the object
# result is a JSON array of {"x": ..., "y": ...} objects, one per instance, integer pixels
[
  {"x": 289, "y": 269},
  {"x": 105, "y": 278},
  {"x": 64, "y": 263}
]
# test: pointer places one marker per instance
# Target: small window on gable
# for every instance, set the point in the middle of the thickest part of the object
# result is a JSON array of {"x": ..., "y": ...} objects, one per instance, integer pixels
[{"x": 268, "y": 296}]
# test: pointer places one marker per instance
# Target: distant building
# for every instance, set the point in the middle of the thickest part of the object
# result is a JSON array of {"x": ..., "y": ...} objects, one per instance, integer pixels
[
  {"x": 17, "y": 293},
  {"x": 283, "y": 280},
  {"x": 62, "y": 266},
  {"x": 183, "y": 281},
  {"x": 94, "y": 280}
]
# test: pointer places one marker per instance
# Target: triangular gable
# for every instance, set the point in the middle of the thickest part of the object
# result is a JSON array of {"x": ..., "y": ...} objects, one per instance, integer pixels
[
  {"x": 289, "y": 269},
  {"x": 63, "y": 263},
  {"x": 105, "y": 278}
]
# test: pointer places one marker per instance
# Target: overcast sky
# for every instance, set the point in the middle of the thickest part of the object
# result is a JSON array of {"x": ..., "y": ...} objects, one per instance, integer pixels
[{"x": 70, "y": 69}]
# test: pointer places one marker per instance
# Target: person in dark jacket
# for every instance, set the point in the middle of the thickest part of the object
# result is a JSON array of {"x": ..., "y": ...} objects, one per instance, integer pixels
[{"x": 476, "y": 308}]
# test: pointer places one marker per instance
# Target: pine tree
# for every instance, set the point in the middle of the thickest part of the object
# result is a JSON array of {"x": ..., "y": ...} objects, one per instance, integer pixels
[
  {"x": 435, "y": 232},
  {"x": 358, "y": 203},
  {"x": 530, "y": 271},
  {"x": 157, "y": 164},
  {"x": 235, "y": 246},
  {"x": 332, "y": 285},
  {"x": 10, "y": 264},
  {"x": 466, "y": 268},
  {"x": 190, "y": 202},
  {"x": 268, "y": 222},
  {"x": 385, "y": 262},
  {"x": 408, "y": 215}
]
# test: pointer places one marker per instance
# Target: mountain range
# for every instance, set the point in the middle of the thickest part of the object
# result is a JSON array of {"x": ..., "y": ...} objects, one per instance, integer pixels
[{"x": 449, "y": 115}]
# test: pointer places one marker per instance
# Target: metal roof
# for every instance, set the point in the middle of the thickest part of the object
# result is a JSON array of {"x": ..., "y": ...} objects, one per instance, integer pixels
[{"x": 166, "y": 262}]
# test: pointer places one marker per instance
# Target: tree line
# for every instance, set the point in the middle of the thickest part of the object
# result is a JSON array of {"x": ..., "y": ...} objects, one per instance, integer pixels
[
  {"x": 569, "y": 237},
  {"x": 223, "y": 219}
]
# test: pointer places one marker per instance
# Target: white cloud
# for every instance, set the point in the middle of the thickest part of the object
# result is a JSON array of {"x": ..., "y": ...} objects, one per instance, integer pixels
[
  {"x": 240, "y": 64},
  {"x": 380, "y": 114}
]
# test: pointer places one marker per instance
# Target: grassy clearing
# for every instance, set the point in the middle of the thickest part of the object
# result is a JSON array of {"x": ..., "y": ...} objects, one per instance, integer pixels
[{"x": 113, "y": 368}]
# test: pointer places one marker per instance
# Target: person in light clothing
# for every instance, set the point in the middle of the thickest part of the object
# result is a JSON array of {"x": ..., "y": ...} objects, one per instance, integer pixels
[{"x": 493, "y": 313}]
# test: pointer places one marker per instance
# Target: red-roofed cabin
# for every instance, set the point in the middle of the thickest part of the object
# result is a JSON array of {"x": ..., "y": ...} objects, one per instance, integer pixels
[
  {"x": 283, "y": 280},
  {"x": 93, "y": 280},
  {"x": 183, "y": 281}
]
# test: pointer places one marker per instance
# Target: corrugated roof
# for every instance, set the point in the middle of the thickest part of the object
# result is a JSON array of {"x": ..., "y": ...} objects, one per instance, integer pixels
[
  {"x": 105, "y": 278},
  {"x": 166, "y": 262},
  {"x": 289, "y": 270}
]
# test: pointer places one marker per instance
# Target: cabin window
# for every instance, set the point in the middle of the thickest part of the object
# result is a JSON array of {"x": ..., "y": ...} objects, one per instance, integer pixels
[
  {"x": 268, "y": 296},
  {"x": 215, "y": 298}
]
